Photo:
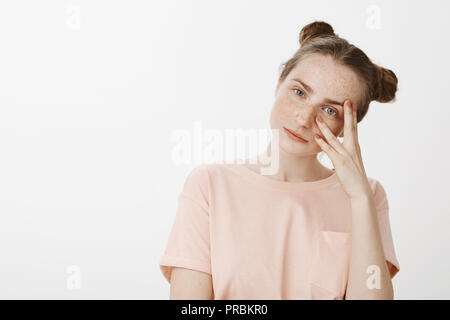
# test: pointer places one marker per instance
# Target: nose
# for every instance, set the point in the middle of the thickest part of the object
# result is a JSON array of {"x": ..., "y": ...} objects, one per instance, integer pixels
[{"x": 306, "y": 116}]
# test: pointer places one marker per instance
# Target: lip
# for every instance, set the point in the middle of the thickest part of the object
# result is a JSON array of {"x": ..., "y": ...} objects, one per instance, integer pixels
[{"x": 294, "y": 136}]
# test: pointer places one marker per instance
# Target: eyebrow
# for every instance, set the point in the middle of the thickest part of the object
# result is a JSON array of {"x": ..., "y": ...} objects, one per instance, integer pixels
[{"x": 326, "y": 100}]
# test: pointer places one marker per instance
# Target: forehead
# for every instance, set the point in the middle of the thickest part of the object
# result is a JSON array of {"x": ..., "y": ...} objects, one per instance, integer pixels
[{"x": 327, "y": 78}]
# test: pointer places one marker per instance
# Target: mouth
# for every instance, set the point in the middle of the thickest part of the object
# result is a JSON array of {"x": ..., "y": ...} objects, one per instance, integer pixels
[{"x": 295, "y": 135}]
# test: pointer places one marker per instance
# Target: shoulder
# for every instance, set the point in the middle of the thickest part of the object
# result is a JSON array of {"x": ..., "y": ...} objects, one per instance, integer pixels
[
  {"x": 204, "y": 170},
  {"x": 208, "y": 170},
  {"x": 204, "y": 174},
  {"x": 203, "y": 180},
  {"x": 376, "y": 185},
  {"x": 379, "y": 192}
]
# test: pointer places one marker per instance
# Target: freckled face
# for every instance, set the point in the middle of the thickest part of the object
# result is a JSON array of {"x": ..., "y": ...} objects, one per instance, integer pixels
[{"x": 296, "y": 106}]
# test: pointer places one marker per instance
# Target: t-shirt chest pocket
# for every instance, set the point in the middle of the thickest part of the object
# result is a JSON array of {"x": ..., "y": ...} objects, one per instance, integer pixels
[{"x": 328, "y": 272}]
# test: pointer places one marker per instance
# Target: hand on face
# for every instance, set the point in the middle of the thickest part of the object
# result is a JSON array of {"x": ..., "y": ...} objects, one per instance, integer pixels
[{"x": 346, "y": 156}]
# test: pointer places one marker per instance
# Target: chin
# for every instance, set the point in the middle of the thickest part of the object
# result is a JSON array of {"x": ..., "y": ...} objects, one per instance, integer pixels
[{"x": 289, "y": 146}]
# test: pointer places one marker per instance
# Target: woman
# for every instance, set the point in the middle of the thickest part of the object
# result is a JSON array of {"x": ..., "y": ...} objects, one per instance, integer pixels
[{"x": 305, "y": 232}]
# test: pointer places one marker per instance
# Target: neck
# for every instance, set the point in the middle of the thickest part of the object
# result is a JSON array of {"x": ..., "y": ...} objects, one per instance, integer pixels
[{"x": 293, "y": 168}]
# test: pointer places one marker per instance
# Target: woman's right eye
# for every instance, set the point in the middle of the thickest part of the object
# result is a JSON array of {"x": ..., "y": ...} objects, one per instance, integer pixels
[{"x": 300, "y": 91}]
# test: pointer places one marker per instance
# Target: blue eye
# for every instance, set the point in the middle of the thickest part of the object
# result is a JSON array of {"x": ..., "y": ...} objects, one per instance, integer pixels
[
  {"x": 334, "y": 114},
  {"x": 331, "y": 110},
  {"x": 299, "y": 90}
]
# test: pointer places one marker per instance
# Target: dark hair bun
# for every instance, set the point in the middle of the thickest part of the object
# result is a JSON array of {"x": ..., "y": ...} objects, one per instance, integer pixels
[
  {"x": 315, "y": 29},
  {"x": 386, "y": 85}
]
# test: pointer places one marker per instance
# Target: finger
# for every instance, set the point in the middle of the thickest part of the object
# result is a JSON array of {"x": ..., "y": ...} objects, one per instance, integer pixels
[
  {"x": 329, "y": 136},
  {"x": 355, "y": 122},
  {"x": 348, "y": 122},
  {"x": 355, "y": 142},
  {"x": 329, "y": 150}
]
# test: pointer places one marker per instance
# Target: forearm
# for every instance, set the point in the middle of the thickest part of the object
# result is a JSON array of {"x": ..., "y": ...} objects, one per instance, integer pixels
[{"x": 367, "y": 250}]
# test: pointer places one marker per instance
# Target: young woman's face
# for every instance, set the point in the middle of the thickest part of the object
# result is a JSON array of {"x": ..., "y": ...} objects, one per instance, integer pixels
[{"x": 326, "y": 85}]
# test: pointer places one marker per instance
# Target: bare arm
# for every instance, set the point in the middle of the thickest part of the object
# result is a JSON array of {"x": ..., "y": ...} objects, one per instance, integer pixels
[
  {"x": 187, "y": 284},
  {"x": 367, "y": 249}
]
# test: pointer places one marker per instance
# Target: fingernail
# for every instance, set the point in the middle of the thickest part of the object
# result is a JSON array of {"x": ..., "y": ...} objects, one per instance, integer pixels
[{"x": 319, "y": 119}]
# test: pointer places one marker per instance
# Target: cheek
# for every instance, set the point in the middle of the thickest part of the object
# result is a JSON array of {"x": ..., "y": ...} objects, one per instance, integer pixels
[
  {"x": 338, "y": 126},
  {"x": 284, "y": 107},
  {"x": 335, "y": 127}
]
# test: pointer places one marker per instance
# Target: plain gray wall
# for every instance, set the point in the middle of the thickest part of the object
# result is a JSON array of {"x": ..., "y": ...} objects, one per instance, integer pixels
[{"x": 91, "y": 91}]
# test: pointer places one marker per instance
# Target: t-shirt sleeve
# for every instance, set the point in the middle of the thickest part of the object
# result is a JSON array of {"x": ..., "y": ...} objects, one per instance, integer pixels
[
  {"x": 382, "y": 206},
  {"x": 188, "y": 245}
]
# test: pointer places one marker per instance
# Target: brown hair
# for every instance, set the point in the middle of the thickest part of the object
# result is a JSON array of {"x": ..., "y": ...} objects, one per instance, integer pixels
[{"x": 319, "y": 37}]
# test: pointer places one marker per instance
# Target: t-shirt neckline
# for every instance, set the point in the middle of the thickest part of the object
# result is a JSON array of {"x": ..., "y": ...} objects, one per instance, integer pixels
[{"x": 286, "y": 185}]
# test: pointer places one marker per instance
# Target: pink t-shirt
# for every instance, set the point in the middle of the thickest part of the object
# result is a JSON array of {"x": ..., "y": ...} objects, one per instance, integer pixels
[{"x": 261, "y": 238}]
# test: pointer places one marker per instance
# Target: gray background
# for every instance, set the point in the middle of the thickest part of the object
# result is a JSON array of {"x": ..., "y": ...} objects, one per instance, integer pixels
[{"x": 90, "y": 92}]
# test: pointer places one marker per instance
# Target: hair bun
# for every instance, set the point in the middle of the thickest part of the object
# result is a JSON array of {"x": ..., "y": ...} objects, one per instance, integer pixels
[
  {"x": 315, "y": 29},
  {"x": 386, "y": 85}
]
